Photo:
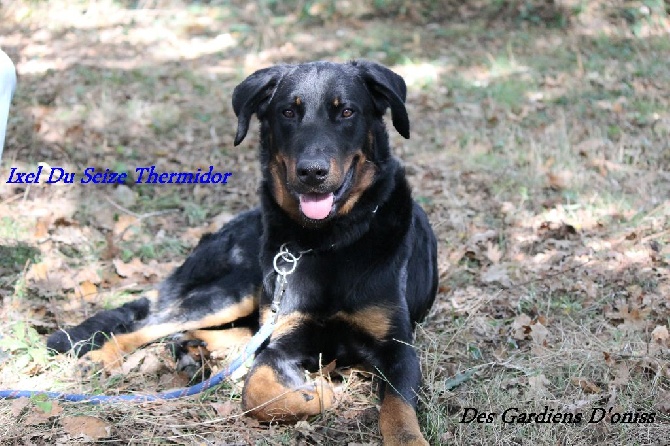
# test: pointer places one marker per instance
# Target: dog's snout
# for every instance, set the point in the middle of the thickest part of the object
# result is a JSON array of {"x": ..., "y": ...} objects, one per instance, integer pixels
[{"x": 312, "y": 172}]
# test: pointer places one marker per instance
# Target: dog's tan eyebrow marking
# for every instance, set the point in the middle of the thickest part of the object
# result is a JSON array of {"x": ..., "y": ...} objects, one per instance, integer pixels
[
  {"x": 298, "y": 101},
  {"x": 336, "y": 102}
]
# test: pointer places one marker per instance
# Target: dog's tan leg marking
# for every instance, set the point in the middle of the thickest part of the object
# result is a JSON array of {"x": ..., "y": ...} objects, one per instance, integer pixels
[
  {"x": 110, "y": 355},
  {"x": 219, "y": 341},
  {"x": 267, "y": 399},
  {"x": 398, "y": 423},
  {"x": 375, "y": 321}
]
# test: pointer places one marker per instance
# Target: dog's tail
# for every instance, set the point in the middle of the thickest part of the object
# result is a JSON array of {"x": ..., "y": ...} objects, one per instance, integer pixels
[{"x": 96, "y": 330}]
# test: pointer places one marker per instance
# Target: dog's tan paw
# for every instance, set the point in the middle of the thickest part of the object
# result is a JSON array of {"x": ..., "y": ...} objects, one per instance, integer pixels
[
  {"x": 405, "y": 439},
  {"x": 107, "y": 358}
]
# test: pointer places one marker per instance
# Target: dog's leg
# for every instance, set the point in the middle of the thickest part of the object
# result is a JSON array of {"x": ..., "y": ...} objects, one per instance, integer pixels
[
  {"x": 401, "y": 374},
  {"x": 276, "y": 387},
  {"x": 96, "y": 330},
  {"x": 192, "y": 349},
  {"x": 276, "y": 390},
  {"x": 111, "y": 354},
  {"x": 216, "y": 285},
  {"x": 219, "y": 342}
]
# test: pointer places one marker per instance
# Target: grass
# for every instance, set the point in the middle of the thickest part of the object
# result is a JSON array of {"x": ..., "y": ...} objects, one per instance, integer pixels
[{"x": 539, "y": 153}]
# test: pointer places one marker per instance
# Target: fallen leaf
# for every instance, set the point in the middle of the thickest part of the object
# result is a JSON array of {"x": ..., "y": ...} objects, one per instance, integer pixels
[
  {"x": 122, "y": 224},
  {"x": 586, "y": 385},
  {"x": 42, "y": 412},
  {"x": 135, "y": 266},
  {"x": 538, "y": 383},
  {"x": 224, "y": 409},
  {"x": 304, "y": 427},
  {"x": 621, "y": 373},
  {"x": 38, "y": 272},
  {"x": 87, "y": 274},
  {"x": 496, "y": 274},
  {"x": 521, "y": 327},
  {"x": 660, "y": 334},
  {"x": 493, "y": 253},
  {"x": 326, "y": 370},
  {"x": 35, "y": 418},
  {"x": 133, "y": 361},
  {"x": 539, "y": 333},
  {"x": 85, "y": 290},
  {"x": 90, "y": 427},
  {"x": 664, "y": 401},
  {"x": 608, "y": 358},
  {"x": 152, "y": 365},
  {"x": 633, "y": 317},
  {"x": 482, "y": 237},
  {"x": 18, "y": 405},
  {"x": 41, "y": 228}
]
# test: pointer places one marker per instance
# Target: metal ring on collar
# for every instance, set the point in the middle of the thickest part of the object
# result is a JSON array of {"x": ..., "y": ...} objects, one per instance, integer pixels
[{"x": 288, "y": 257}]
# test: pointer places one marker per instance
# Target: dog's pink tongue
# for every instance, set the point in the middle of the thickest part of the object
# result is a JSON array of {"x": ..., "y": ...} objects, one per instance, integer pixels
[{"x": 316, "y": 206}]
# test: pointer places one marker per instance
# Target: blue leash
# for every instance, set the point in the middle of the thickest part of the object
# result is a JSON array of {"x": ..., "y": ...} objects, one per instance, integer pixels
[{"x": 253, "y": 345}]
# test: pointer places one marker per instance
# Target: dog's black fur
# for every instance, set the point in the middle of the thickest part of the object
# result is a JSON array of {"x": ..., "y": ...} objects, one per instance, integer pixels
[{"x": 333, "y": 194}]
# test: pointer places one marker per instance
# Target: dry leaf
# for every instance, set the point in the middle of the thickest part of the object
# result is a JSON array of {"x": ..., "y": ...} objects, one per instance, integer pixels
[
  {"x": 538, "y": 383},
  {"x": 85, "y": 290},
  {"x": 132, "y": 361},
  {"x": 122, "y": 224},
  {"x": 521, "y": 327},
  {"x": 89, "y": 427},
  {"x": 586, "y": 385},
  {"x": 88, "y": 273},
  {"x": 224, "y": 409},
  {"x": 497, "y": 274},
  {"x": 482, "y": 237},
  {"x": 304, "y": 427},
  {"x": 660, "y": 334},
  {"x": 664, "y": 401},
  {"x": 18, "y": 405},
  {"x": 38, "y": 272},
  {"x": 539, "y": 333},
  {"x": 633, "y": 317},
  {"x": 41, "y": 228},
  {"x": 621, "y": 374},
  {"x": 36, "y": 417},
  {"x": 608, "y": 358},
  {"x": 493, "y": 253},
  {"x": 135, "y": 266},
  {"x": 41, "y": 415}
]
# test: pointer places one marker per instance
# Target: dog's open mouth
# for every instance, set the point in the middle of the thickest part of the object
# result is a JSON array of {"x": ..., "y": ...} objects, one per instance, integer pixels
[{"x": 319, "y": 206}]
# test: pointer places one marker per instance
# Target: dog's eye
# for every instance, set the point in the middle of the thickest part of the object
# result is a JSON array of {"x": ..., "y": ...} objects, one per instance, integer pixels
[
  {"x": 347, "y": 113},
  {"x": 288, "y": 113}
]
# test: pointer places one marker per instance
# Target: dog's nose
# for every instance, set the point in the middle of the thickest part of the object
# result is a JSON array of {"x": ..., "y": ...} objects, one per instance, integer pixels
[{"x": 313, "y": 172}]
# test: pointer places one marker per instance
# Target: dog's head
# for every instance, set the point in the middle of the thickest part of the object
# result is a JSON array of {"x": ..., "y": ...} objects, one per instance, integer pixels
[{"x": 322, "y": 131}]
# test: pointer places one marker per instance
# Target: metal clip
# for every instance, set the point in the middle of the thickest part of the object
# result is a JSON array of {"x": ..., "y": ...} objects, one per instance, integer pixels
[{"x": 281, "y": 282}]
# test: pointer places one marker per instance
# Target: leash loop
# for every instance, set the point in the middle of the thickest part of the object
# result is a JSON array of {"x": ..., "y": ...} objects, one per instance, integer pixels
[
  {"x": 281, "y": 282},
  {"x": 288, "y": 257}
]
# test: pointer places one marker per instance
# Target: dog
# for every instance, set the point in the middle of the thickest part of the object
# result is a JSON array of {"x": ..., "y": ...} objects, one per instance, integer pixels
[{"x": 338, "y": 253}]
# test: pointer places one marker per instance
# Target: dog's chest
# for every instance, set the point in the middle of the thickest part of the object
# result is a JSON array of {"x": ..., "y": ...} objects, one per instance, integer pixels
[{"x": 325, "y": 285}]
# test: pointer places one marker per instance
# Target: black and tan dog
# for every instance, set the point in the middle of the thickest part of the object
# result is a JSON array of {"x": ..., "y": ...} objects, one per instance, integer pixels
[{"x": 338, "y": 218}]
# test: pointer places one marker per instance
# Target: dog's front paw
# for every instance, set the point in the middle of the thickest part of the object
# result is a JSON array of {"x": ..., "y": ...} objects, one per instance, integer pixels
[
  {"x": 190, "y": 357},
  {"x": 107, "y": 358},
  {"x": 405, "y": 439},
  {"x": 398, "y": 423}
]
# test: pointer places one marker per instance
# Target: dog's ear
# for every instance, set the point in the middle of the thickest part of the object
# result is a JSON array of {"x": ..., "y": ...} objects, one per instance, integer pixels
[
  {"x": 389, "y": 90},
  {"x": 252, "y": 94}
]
